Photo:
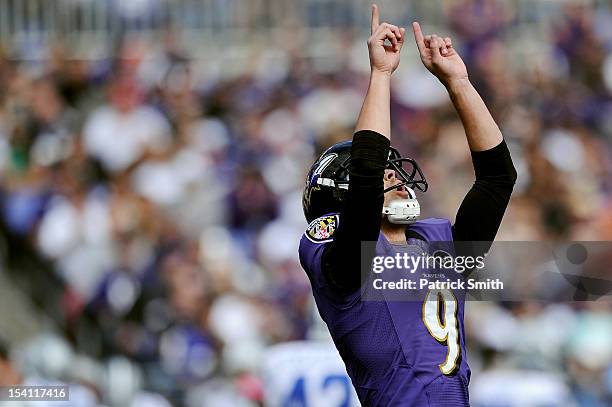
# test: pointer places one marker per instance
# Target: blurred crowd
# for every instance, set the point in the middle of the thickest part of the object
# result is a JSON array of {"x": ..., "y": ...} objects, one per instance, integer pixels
[{"x": 168, "y": 204}]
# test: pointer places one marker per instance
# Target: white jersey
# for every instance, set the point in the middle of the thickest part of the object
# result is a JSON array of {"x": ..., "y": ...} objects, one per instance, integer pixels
[{"x": 306, "y": 374}]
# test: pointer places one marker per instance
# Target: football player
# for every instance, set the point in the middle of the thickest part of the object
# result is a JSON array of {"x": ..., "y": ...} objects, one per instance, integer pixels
[
  {"x": 305, "y": 373},
  {"x": 398, "y": 353}
]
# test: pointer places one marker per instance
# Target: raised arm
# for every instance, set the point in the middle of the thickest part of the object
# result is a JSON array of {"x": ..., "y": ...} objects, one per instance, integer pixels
[
  {"x": 384, "y": 59},
  {"x": 482, "y": 210},
  {"x": 360, "y": 218},
  {"x": 439, "y": 56}
]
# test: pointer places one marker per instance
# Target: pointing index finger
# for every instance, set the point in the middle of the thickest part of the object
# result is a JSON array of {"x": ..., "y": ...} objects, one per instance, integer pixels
[
  {"x": 418, "y": 36},
  {"x": 375, "y": 18}
]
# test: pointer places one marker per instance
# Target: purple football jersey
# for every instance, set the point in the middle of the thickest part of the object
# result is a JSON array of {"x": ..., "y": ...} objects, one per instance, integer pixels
[{"x": 397, "y": 353}]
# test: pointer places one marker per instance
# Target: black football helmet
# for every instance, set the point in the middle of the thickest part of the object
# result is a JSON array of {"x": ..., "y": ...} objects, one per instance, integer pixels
[{"x": 328, "y": 179}]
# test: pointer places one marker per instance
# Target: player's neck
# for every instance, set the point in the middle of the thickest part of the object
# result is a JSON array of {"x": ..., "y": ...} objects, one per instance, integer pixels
[{"x": 394, "y": 233}]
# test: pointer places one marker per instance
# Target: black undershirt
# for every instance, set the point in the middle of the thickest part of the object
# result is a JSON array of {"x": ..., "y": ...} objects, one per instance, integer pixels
[{"x": 478, "y": 218}]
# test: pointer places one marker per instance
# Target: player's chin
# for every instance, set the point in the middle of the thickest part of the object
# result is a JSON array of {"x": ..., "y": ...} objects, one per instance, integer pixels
[
  {"x": 401, "y": 192},
  {"x": 398, "y": 194}
]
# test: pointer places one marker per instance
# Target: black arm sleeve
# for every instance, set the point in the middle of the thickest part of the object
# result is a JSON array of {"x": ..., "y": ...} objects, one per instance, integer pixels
[
  {"x": 482, "y": 209},
  {"x": 361, "y": 215}
]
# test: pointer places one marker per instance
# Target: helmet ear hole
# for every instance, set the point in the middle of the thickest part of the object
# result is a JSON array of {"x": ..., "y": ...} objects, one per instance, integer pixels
[{"x": 326, "y": 182}]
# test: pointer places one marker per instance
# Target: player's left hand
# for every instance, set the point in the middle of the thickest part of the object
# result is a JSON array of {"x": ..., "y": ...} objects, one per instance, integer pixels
[
  {"x": 383, "y": 57},
  {"x": 439, "y": 56}
]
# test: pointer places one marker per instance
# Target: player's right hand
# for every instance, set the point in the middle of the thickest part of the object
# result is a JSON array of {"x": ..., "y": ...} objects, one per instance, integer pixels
[{"x": 383, "y": 57}]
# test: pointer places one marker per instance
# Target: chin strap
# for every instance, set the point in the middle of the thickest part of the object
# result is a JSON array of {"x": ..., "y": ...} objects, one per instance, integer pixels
[{"x": 403, "y": 211}]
